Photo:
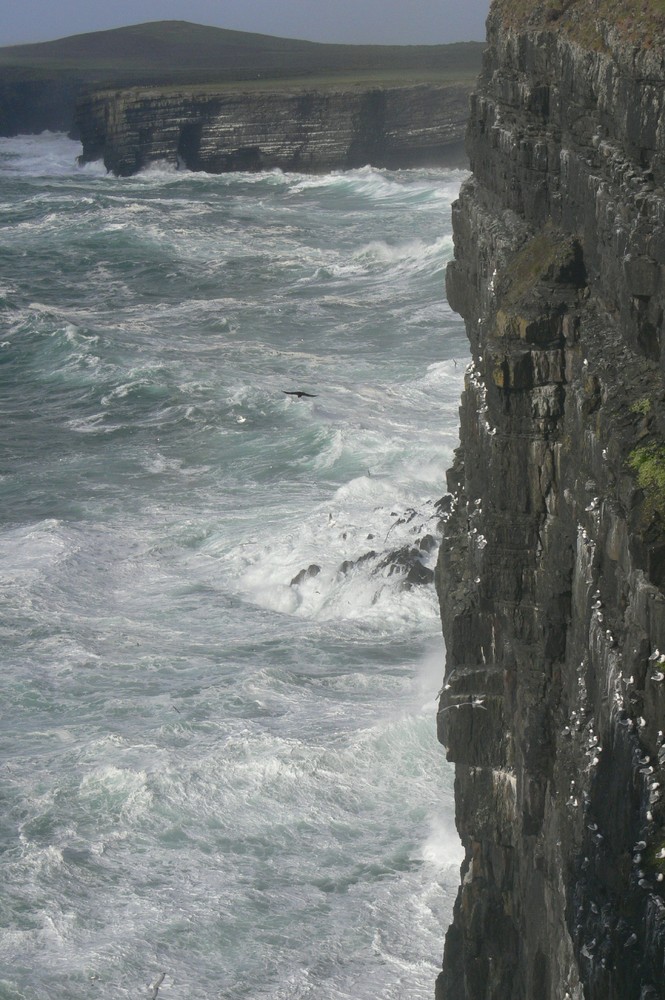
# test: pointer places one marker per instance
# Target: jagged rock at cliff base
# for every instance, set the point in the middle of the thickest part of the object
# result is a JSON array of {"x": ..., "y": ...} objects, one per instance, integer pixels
[{"x": 551, "y": 574}]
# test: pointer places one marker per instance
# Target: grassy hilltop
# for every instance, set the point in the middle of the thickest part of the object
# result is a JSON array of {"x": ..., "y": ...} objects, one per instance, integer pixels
[
  {"x": 172, "y": 52},
  {"x": 40, "y": 84}
]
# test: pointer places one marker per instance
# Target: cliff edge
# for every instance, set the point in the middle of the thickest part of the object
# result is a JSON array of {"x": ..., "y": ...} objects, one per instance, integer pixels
[
  {"x": 551, "y": 574},
  {"x": 303, "y": 127},
  {"x": 41, "y": 83}
]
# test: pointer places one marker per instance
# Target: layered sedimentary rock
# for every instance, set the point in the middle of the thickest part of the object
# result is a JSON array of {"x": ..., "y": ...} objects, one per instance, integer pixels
[
  {"x": 304, "y": 130},
  {"x": 551, "y": 575}
]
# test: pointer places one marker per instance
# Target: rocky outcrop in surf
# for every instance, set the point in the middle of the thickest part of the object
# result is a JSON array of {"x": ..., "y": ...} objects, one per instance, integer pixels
[
  {"x": 405, "y": 565},
  {"x": 551, "y": 574}
]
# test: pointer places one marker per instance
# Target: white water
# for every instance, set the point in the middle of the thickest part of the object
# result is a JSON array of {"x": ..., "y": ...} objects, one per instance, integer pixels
[{"x": 209, "y": 771}]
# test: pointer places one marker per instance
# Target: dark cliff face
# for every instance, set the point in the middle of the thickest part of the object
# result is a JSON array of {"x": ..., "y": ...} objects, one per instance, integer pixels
[
  {"x": 551, "y": 575},
  {"x": 307, "y": 131},
  {"x": 34, "y": 104}
]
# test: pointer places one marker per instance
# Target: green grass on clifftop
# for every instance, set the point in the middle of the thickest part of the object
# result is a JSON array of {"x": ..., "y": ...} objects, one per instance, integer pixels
[
  {"x": 640, "y": 21},
  {"x": 172, "y": 52}
]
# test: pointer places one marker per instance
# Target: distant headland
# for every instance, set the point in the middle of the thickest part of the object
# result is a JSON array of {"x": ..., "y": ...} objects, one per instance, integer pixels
[{"x": 207, "y": 98}]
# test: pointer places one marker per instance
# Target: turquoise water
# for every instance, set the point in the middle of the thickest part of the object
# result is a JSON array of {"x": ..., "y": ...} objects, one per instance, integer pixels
[{"x": 208, "y": 770}]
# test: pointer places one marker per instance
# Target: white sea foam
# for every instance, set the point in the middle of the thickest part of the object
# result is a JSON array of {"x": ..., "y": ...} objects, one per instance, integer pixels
[
  {"x": 213, "y": 771},
  {"x": 29, "y": 553},
  {"x": 50, "y": 154}
]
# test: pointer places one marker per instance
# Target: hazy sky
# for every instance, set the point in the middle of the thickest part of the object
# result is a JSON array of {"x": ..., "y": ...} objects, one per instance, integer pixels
[{"x": 364, "y": 21}]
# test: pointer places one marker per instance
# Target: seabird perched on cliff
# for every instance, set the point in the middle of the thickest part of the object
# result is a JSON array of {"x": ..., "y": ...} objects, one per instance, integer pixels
[
  {"x": 473, "y": 701},
  {"x": 299, "y": 393}
]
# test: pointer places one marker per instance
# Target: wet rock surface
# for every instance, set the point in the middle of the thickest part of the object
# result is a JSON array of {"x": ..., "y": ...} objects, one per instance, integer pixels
[
  {"x": 551, "y": 574},
  {"x": 407, "y": 564},
  {"x": 305, "y": 574}
]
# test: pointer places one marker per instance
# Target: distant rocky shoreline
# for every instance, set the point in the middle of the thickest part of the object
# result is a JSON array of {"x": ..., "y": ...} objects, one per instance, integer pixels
[
  {"x": 213, "y": 99},
  {"x": 312, "y": 131}
]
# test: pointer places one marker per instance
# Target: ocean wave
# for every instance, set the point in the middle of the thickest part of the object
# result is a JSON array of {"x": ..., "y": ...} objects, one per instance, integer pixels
[{"x": 219, "y": 681}]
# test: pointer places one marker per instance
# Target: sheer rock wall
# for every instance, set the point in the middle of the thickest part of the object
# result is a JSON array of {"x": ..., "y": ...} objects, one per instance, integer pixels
[
  {"x": 311, "y": 131},
  {"x": 551, "y": 574}
]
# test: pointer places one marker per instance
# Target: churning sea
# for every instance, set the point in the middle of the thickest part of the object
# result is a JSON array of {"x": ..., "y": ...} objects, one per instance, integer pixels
[{"x": 216, "y": 782}]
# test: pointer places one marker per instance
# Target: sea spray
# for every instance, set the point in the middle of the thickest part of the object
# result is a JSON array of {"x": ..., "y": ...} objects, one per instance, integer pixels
[{"x": 218, "y": 770}]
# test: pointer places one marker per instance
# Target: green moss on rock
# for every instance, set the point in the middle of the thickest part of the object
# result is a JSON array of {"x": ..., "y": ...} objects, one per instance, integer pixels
[
  {"x": 641, "y": 407},
  {"x": 648, "y": 462},
  {"x": 550, "y": 257}
]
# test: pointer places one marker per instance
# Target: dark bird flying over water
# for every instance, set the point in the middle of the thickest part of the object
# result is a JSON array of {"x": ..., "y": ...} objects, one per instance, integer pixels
[{"x": 299, "y": 393}]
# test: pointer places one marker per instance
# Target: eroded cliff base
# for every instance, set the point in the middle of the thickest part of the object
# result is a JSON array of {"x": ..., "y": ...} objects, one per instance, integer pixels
[
  {"x": 552, "y": 571},
  {"x": 300, "y": 129}
]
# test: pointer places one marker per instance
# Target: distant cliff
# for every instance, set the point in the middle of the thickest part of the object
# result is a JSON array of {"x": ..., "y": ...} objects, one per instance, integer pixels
[
  {"x": 310, "y": 130},
  {"x": 31, "y": 104},
  {"x": 551, "y": 575},
  {"x": 40, "y": 83}
]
